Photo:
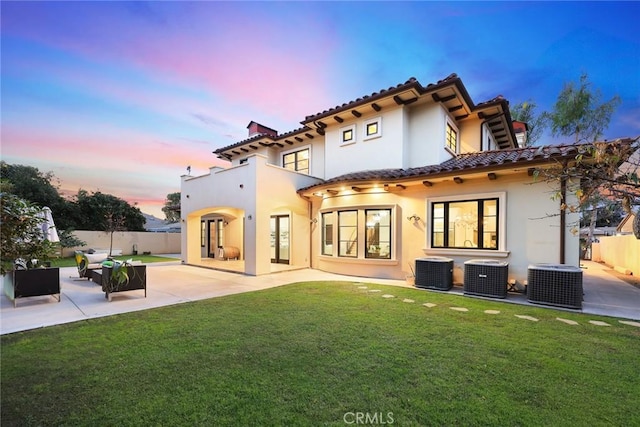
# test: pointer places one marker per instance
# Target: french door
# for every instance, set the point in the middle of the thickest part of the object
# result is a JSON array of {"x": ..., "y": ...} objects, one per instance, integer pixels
[{"x": 280, "y": 233}]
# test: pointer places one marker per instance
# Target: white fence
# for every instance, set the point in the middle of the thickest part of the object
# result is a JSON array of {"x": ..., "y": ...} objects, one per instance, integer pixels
[
  {"x": 622, "y": 252},
  {"x": 128, "y": 242}
]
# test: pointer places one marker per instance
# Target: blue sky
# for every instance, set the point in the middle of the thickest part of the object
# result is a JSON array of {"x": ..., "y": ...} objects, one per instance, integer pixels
[{"x": 122, "y": 96}]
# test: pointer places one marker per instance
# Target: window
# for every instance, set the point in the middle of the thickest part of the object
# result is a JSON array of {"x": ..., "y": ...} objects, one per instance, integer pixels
[
  {"x": 203, "y": 233},
  {"x": 378, "y": 233},
  {"x": 373, "y": 128},
  {"x": 451, "y": 137},
  {"x": 327, "y": 233},
  {"x": 348, "y": 234},
  {"x": 465, "y": 224},
  {"x": 348, "y": 135},
  {"x": 297, "y": 161}
]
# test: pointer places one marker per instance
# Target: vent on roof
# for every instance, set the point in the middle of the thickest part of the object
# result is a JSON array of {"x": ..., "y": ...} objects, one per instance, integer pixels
[{"x": 256, "y": 128}]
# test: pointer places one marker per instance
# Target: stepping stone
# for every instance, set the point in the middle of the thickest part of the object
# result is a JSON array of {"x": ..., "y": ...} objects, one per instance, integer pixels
[
  {"x": 429, "y": 304},
  {"x": 387, "y": 296},
  {"x": 492, "y": 311},
  {"x": 630, "y": 323},
  {"x": 362, "y": 287},
  {"x": 599, "y": 323},
  {"x": 459, "y": 308},
  {"x": 407, "y": 300},
  {"x": 567, "y": 321},
  {"x": 533, "y": 319},
  {"x": 375, "y": 290}
]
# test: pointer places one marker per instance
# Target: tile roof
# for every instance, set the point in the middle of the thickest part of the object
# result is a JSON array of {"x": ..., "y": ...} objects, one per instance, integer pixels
[
  {"x": 471, "y": 162},
  {"x": 411, "y": 83}
]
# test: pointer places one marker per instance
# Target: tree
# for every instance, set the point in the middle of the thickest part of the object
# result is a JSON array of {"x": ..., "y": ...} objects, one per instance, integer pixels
[
  {"x": 29, "y": 183},
  {"x": 171, "y": 207},
  {"x": 579, "y": 113},
  {"x": 607, "y": 173},
  {"x": 20, "y": 233},
  {"x": 103, "y": 212},
  {"x": 525, "y": 112}
]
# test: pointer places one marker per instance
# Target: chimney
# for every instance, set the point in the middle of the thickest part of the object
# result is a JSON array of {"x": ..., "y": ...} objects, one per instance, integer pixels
[
  {"x": 520, "y": 129},
  {"x": 256, "y": 128}
]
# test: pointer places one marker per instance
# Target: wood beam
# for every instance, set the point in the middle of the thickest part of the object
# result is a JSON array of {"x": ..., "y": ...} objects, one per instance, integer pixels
[
  {"x": 279, "y": 145},
  {"x": 299, "y": 139},
  {"x": 332, "y": 192},
  {"x": 458, "y": 180},
  {"x": 253, "y": 146},
  {"x": 492, "y": 176},
  {"x": 288, "y": 141},
  {"x": 356, "y": 189},
  {"x": 356, "y": 113},
  {"x": 427, "y": 183},
  {"x": 461, "y": 117},
  {"x": 235, "y": 152},
  {"x": 308, "y": 135},
  {"x": 376, "y": 107},
  {"x": 244, "y": 149},
  {"x": 338, "y": 119},
  {"x": 456, "y": 108},
  {"x": 437, "y": 97}
]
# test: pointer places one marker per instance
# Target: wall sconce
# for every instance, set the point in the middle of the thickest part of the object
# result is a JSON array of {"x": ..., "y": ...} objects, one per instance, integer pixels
[
  {"x": 225, "y": 222},
  {"x": 414, "y": 218},
  {"x": 241, "y": 185}
]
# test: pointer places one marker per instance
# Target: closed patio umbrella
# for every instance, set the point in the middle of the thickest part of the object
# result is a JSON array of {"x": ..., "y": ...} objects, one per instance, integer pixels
[{"x": 48, "y": 227}]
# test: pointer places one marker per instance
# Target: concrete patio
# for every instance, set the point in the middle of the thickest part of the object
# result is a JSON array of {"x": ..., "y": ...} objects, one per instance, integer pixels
[{"x": 173, "y": 283}]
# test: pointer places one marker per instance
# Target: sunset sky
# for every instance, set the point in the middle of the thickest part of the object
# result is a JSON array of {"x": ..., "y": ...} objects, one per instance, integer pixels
[{"x": 122, "y": 96}]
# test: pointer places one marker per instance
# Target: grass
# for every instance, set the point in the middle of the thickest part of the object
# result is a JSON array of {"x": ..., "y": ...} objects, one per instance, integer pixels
[
  {"x": 317, "y": 353},
  {"x": 146, "y": 259}
]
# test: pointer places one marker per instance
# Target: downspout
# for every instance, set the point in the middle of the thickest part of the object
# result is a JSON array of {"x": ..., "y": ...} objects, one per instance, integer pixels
[{"x": 563, "y": 215}]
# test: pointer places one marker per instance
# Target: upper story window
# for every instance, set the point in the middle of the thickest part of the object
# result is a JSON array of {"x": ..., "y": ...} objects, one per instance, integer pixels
[
  {"x": 451, "y": 137},
  {"x": 348, "y": 135},
  {"x": 465, "y": 224},
  {"x": 297, "y": 160},
  {"x": 373, "y": 128}
]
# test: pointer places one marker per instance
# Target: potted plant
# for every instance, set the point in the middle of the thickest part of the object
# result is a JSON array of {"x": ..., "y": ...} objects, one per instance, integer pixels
[{"x": 24, "y": 250}]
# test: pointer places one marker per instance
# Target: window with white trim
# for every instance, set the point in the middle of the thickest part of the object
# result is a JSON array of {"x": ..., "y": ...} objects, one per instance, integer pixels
[
  {"x": 348, "y": 135},
  {"x": 451, "y": 137},
  {"x": 467, "y": 223},
  {"x": 373, "y": 128},
  {"x": 297, "y": 160}
]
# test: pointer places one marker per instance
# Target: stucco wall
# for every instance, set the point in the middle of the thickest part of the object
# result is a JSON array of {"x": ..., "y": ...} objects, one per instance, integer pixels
[
  {"x": 531, "y": 236},
  {"x": 385, "y": 151},
  {"x": 619, "y": 251},
  {"x": 156, "y": 243}
]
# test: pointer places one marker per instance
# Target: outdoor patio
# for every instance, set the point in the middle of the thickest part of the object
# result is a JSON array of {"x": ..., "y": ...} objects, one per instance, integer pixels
[{"x": 173, "y": 283}]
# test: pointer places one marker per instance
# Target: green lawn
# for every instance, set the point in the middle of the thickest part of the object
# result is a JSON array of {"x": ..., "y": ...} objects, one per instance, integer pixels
[
  {"x": 145, "y": 259},
  {"x": 319, "y": 353}
]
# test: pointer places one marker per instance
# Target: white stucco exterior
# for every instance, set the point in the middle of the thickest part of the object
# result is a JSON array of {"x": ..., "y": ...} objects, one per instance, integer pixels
[{"x": 346, "y": 172}]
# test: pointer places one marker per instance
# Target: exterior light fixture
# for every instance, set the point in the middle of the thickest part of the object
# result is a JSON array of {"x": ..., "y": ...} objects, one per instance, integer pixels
[{"x": 414, "y": 218}]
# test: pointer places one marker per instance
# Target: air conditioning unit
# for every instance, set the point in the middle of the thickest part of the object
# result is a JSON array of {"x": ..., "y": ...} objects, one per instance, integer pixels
[
  {"x": 555, "y": 284},
  {"x": 434, "y": 272},
  {"x": 486, "y": 277}
]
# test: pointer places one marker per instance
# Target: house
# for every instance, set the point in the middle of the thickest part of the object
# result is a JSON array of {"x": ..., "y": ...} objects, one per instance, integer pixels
[{"x": 367, "y": 187}]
